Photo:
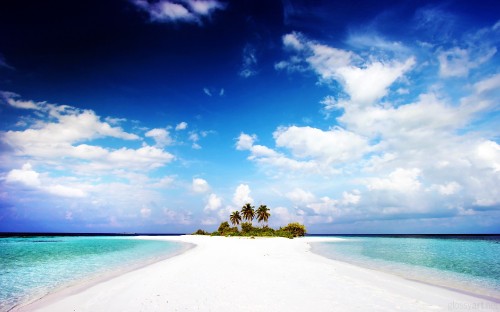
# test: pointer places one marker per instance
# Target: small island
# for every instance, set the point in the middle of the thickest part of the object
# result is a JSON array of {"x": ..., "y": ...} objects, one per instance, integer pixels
[{"x": 248, "y": 213}]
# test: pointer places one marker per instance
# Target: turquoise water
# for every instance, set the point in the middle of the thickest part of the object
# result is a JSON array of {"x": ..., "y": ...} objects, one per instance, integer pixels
[
  {"x": 471, "y": 264},
  {"x": 31, "y": 267}
]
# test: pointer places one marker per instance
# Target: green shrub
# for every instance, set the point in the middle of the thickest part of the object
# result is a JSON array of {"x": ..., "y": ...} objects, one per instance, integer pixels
[
  {"x": 295, "y": 228},
  {"x": 283, "y": 233},
  {"x": 200, "y": 232},
  {"x": 246, "y": 227},
  {"x": 223, "y": 227}
]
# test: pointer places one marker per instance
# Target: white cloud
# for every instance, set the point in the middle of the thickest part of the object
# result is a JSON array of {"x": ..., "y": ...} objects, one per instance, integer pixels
[
  {"x": 65, "y": 191},
  {"x": 200, "y": 185},
  {"x": 299, "y": 196},
  {"x": 29, "y": 177},
  {"x": 245, "y": 141},
  {"x": 366, "y": 85},
  {"x": 365, "y": 81},
  {"x": 26, "y": 176},
  {"x": 70, "y": 127},
  {"x": 195, "y": 137},
  {"x": 351, "y": 198},
  {"x": 181, "y": 126},
  {"x": 205, "y": 7},
  {"x": 400, "y": 180},
  {"x": 488, "y": 155},
  {"x": 268, "y": 157},
  {"x": 242, "y": 195},
  {"x": 326, "y": 61},
  {"x": 161, "y": 136},
  {"x": 214, "y": 202},
  {"x": 190, "y": 11},
  {"x": 447, "y": 189},
  {"x": 146, "y": 157},
  {"x": 293, "y": 41},
  {"x": 491, "y": 83},
  {"x": 10, "y": 98},
  {"x": 58, "y": 130},
  {"x": 457, "y": 62},
  {"x": 374, "y": 41},
  {"x": 332, "y": 146},
  {"x": 282, "y": 215}
]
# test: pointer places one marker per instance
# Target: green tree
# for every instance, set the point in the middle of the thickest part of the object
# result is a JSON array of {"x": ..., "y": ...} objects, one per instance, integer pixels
[
  {"x": 235, "y": 218},
  {"x": 246, "y": 227},
  {"x": 223, "y": 228},
  {"x": 262, "y": 213},
  {"x": 295, "y": 228},
  {"x": 248, "y": 212}
]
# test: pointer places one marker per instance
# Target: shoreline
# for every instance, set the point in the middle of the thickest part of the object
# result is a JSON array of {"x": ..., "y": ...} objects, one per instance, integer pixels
[
  {"x": 458, "y": 286},
  {"x": 75, "y": 286},
  {"x": 208, "y": 276}
]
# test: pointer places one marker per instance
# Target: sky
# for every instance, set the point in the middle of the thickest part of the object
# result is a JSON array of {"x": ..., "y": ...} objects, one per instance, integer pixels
[{"x": 164, "y": 116}]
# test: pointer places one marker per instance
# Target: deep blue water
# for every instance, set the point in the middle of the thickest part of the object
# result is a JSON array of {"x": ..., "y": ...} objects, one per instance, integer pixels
[
  {"x": 31, "y": 267},
  {"x": 468, "y": 263}
]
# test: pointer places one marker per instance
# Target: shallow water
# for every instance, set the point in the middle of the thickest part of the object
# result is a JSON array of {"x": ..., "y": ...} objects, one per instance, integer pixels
[
  {"x": 470, "y": 264},
  {"x": 31, "y": 267}
]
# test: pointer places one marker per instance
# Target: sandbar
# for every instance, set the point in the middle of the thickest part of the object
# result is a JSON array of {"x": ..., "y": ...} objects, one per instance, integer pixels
[{"x": 263, "y": 274}]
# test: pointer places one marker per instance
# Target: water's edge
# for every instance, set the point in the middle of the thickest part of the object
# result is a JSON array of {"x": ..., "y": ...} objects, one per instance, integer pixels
[
  {"x": 315, "y": 248},
  {"x": 80, "y": 285}
]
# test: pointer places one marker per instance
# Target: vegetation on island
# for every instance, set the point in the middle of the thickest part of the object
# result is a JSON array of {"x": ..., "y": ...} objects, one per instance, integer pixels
[{"x": 243, "y": 226}]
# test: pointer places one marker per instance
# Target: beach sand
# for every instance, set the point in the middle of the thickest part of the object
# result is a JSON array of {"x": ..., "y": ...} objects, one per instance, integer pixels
[{"x": 262, "y": 274}]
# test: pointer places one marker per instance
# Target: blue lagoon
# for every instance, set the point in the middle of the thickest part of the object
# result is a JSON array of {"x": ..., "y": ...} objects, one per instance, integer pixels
[
  {"x": 31, "y": 267},
  {"x": 469, "y": 263}
]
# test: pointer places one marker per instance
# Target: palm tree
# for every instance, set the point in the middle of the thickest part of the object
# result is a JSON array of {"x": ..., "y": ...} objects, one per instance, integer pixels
[
  {"x": 263, "y": 213},
  {"x": 248, "y": 212},
  {"x": 235, "y": 218}
]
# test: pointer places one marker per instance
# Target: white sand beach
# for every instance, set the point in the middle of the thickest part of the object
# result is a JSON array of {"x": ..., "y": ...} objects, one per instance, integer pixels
[{"x": 263, "y": 274}]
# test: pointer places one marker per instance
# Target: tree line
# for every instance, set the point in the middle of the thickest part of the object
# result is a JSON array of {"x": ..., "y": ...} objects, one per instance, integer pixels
[{"x": 244, "y": 219}]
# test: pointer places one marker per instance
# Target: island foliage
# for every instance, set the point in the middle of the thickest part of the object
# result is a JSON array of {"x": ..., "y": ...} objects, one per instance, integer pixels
[{"x": 242, "y": 222}]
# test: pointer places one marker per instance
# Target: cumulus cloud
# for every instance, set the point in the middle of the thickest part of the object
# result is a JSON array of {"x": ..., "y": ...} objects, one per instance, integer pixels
[
  {"x": 64, "y": 132},
  {"x": 188, "y": 11},
  {"x": 65, "y": 191},
  {"x": 25, "y": 175},
  {"x": 200, "y": 185},
  {"x": 242, "y": 195},
  {"x": 245, "y": 142},
  {"x": 448, "y": 188},
  {"x": 313, "y": 150},
  {"x": 181, "y": 126},
  {"x": 364, "y": 81},
  {"x": 161, "y": 136},
  {"x": 400, "y": 180},
  {"x": 293, "y": 41},
  {"x": 406, "y": 145},
  {"x": 214, "y": 202},
  {"x": 30, "y": 178},
  {"x": 300, "y": 196},
  {"x": 71, "y": 126},
  {"x": 329, "y": 147}
]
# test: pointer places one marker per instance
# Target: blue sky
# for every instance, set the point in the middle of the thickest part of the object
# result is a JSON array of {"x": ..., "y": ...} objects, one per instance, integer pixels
[{"x": 165, "y": 116}]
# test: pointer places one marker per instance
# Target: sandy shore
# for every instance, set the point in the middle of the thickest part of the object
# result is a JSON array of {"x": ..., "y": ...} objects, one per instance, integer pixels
[{"x": 267, "y": 274}]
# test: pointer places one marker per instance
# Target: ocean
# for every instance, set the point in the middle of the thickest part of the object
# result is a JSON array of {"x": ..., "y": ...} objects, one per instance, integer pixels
[
  {"x": 33, "y": 266},
  {"x": 469, "y": 263}
]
